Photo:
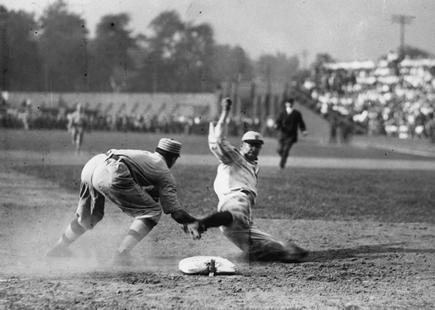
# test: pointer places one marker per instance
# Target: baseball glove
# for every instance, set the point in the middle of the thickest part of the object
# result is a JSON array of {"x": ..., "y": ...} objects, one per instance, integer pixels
[
  {"x": 226, "y": 104},
  {"x": 195, "y": 229}
]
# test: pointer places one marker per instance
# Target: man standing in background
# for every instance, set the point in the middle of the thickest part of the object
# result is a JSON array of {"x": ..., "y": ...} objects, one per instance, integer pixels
[{"x": 288, "y": 123}]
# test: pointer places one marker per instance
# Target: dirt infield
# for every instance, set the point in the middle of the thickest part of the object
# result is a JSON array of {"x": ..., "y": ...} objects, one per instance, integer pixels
[{"x": 353, "y": 264}]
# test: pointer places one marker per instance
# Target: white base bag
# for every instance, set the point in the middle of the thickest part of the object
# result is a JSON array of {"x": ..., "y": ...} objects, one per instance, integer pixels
[{"x": 206, "y": 265}]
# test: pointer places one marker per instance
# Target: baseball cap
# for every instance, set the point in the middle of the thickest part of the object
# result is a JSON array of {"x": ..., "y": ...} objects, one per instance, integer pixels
[
  {"x": 170, "y": 145},
  {"x": 253, "y": 136}
]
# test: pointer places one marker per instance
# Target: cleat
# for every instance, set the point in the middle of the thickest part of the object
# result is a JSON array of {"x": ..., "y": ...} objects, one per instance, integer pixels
[{"x": 294, "y": 254}]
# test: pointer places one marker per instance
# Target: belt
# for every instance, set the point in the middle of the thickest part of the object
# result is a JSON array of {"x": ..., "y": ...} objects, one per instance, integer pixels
[
  {"x": 245, "y": 191},
  {"x": 249, "y": 193}
]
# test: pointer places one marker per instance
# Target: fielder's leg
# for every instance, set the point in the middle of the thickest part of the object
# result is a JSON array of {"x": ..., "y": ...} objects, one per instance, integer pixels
[
  {"x": 114, "y": 180},
  {"x": 137, "y": 231},
  {"x": 72, "y": 233},
  {"x": 90, "y": 211}
]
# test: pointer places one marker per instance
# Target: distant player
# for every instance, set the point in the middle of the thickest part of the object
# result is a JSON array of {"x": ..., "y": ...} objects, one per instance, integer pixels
[
  {"x": 288, "y": 123},
  {"x": 139, "y": 183},
  {"x": 236, "y": 188},
  {"x": 77, "y": 123}
]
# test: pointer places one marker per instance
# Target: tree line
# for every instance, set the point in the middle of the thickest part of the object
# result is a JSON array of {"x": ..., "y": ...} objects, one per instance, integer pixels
[{"x": 56, "y": 53}]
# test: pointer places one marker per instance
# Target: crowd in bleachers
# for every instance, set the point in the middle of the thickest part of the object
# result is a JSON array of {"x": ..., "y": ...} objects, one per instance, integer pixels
[{"x": 389, "y": 97}]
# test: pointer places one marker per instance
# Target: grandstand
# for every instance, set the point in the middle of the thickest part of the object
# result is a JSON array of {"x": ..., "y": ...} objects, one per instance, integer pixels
[
  {"x": 187, "y": 105},
  {"x": 388, "y": 97}
]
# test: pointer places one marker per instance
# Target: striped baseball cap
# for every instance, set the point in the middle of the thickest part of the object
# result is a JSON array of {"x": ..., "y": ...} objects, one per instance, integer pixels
[{"x": 170, "y": 145}]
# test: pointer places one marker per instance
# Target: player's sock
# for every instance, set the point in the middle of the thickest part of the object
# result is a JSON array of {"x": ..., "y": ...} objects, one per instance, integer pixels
[
  {"x": 72, "y": 233},
  {"x": 138, "y": 230}
]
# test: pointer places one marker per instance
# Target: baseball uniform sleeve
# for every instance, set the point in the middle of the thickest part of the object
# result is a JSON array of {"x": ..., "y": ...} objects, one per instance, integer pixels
[
  {"x": 220, "y": 146},
  {"x": 168, "y": 193}
]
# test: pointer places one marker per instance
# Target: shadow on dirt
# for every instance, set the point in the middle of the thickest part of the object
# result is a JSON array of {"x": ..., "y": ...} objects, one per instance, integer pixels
[{"x": 363, "y": 251}]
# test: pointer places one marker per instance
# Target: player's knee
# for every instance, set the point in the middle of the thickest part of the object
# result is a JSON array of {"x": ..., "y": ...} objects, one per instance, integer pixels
[
  {"x": 95, "y": 218},
  {"x": 151, "y": 222},
  {"x": 88, "y": 223}
]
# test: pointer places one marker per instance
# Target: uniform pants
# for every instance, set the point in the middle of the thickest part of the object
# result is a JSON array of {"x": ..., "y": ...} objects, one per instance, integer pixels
[
  {"x": 284, "y": 145},
  {"x": 107, "y": 178},
  {"x": 77, "y": 135},
  {"x": 256, "y": 244}
]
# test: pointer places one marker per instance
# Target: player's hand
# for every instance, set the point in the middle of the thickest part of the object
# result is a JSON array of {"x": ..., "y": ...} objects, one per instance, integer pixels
[
  {"x": 226, "y": 104},
  {"x": 194, "y": 230}
]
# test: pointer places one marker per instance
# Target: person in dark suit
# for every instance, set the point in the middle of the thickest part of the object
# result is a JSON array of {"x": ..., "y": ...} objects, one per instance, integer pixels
[{"x": 287, "y": 124}]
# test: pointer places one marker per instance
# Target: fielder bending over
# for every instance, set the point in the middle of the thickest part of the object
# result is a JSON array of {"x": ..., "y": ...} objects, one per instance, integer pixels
[
  {"x": 135, "y": 180},
  {"x": 236, "y": 188}
]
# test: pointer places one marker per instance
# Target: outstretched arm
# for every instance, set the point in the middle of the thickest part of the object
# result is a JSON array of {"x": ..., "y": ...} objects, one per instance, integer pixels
[
  {"x": 217, "y": 219},
  {"x": 218, "y": 144},
  {"x": 182, "y": 217},
  {"x": 220, "y": 128},
  {"x": 197, "y": 228}
]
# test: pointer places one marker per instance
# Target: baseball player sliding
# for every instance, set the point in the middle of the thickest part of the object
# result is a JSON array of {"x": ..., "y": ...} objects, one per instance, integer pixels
[
  {"x": 236, "y": 188},
  {"x": 135, "y": 180}
]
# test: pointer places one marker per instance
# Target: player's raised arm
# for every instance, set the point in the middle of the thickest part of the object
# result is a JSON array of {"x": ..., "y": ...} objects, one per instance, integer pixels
[
  {"x": 220, "y": 129},
  {"x": 218, "y": 144}
]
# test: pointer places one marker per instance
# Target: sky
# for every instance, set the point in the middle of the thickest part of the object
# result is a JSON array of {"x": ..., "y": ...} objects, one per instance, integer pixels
[{"x": 346, "y": 29}]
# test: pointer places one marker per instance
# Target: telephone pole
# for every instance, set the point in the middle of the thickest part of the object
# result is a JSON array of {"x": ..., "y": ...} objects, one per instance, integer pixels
[
  {"x": 402, "y": 20},
  {"x": 304, "y": 59}
]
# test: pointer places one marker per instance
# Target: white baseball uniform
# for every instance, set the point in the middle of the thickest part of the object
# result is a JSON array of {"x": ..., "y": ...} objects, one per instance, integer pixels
[{"x": 236, "y": 187}]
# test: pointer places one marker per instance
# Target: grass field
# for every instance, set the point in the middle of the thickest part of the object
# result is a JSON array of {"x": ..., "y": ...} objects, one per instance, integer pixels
[
  {"x": 45, "y": 141},
  {"x": 371, "y": 234},
  {"x": 390, "y": 196}
]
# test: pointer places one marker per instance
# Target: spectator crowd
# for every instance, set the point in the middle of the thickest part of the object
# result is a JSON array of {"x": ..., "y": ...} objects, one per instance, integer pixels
[
  {"x": 26, "y": 115},
  {"x": 390, "y": 97}
]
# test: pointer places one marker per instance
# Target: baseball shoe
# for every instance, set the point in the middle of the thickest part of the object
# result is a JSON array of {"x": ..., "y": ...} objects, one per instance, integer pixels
[
  {"x": 294, "y": 254},
  {"x": 60, "y": 251},
  {"x": 122, "y": 259}
]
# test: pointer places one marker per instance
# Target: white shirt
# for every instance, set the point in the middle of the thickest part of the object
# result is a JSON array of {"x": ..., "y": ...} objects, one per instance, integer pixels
[{"x": 234, "y": 172}]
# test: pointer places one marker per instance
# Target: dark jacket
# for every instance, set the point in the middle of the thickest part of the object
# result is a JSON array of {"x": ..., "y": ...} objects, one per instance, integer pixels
[{"x": 288, "y": 124}]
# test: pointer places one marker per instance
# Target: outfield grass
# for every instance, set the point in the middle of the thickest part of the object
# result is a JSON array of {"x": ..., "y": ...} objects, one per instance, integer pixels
[
  {"x": 385, "y": 196},
  {"x": 59, "y": 140},
  {"x": 296, "y": 193}
]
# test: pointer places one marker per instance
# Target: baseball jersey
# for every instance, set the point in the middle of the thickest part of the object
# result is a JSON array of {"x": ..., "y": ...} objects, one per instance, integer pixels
[
  {"x": 148, "y": 169},
  {"x": 234, "y": 172},
  {"x": 77, "y": 120}
]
